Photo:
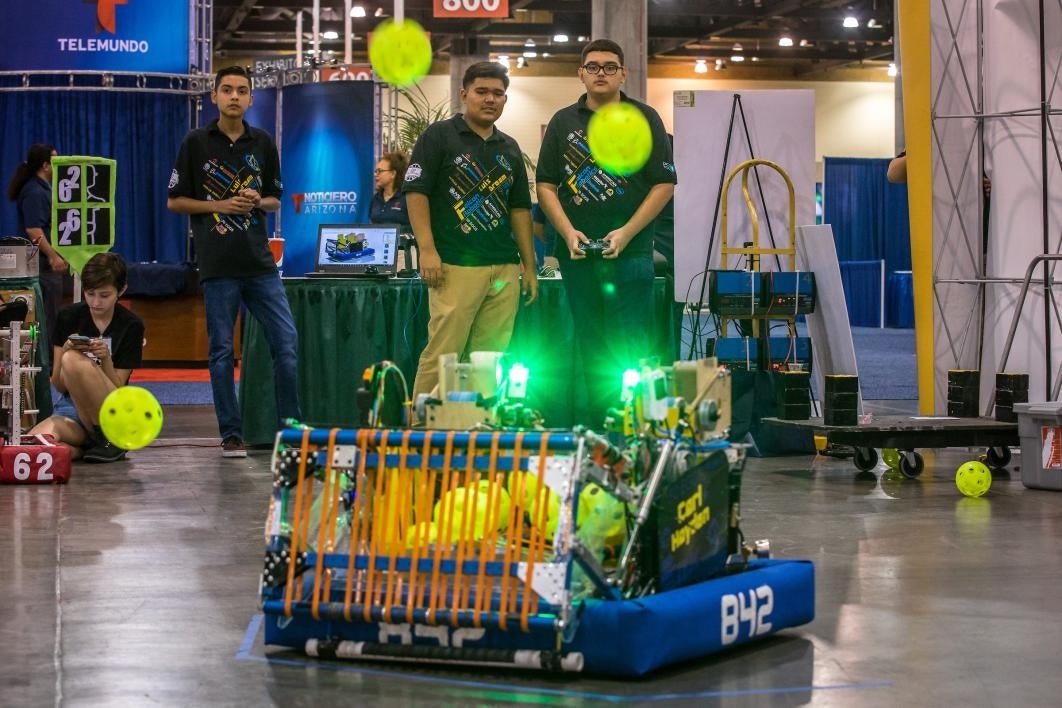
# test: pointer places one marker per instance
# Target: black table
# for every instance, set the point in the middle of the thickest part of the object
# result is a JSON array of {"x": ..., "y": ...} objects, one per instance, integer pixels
[{"x": 345, "y": 325}]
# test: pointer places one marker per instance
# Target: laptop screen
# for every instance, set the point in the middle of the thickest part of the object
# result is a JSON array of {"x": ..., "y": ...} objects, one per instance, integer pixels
[{"x": 357, "y": 249}]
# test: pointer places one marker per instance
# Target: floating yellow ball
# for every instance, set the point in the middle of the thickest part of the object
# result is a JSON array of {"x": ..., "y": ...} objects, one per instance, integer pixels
[
  {"x": 130, "y": 417},
  {"x": 973, "y": 478},
  {"x": 620, "y": 138},
  {"x": 400, "y": 53}
]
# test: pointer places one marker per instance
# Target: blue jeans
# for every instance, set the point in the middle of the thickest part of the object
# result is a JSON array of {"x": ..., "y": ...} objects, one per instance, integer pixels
[
  {"x": 611, "y": 302},
  {"x": 264, "y": 298}
]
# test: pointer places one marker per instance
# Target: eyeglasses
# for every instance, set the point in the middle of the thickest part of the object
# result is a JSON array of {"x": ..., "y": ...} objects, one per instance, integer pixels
[
  {"x": 595, "y": 68},
  {"x": 378, "y": 171}
]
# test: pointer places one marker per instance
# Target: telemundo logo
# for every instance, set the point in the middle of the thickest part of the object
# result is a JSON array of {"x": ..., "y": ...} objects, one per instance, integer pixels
[{"x": 82, "y": 44}]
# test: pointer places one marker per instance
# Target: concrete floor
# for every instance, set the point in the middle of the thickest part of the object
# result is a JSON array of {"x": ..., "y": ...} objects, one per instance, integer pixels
[{"x": 136, "y": 585}]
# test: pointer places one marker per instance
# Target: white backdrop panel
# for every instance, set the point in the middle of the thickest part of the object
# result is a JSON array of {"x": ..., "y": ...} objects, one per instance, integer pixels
[
  {"x": 957, "y": 227},
  {"x": 1013, "y": 150},
  {"x": 781, "y": 125}
]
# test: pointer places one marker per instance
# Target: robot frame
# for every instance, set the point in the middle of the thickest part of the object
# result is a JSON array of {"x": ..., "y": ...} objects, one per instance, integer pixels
[{"x": 486, "y": 539}]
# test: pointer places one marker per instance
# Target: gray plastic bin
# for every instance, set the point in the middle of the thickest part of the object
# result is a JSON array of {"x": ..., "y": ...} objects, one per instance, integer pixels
[{"x": 1040, "y": 430}]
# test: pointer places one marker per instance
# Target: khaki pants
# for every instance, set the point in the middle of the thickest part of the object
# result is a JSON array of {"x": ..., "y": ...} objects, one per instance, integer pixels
[{"x": 474, "y": 310}]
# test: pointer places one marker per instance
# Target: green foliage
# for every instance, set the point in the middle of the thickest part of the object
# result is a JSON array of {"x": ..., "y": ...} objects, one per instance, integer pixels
[{"x": 414, "y": 117}]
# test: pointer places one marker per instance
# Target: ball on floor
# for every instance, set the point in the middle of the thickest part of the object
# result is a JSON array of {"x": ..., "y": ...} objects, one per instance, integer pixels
[
  {"x": 131, "y": 417},
  {"x": 973, "y": 478}
]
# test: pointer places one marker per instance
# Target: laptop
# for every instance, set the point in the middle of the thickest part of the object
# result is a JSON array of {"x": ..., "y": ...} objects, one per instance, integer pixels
[{"x": 356, "y": 251}]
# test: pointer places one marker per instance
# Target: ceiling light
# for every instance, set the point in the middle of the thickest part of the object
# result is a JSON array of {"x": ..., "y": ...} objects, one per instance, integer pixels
[
  {"x": 521, "y": 62},
  {"x": 330, "y": 34},
  {"x": 357, "y": 11},
  {"x": 560, "y": 38},
  {"x": 850, "y": 22},
  {"x": 504, "y": 61},
  {"x": 720, "y": 64},
  {"x": 529, "y": 43},
  {"x": 737, "y": 47},
  {"x": 545, "y": 54},
  {"x": 379, "y": 12},
  {"x": 755, "y": 58},
  {"x": 872, "y": 23},
  {"x": 892, "y": 69},
  {"x": 700, "y": 67},
  {"x": 582, "y": 38},
  {"x": 785, "y": 41},
  {"x": 737, "y": 57},
  {"x": 530, "y": 55},
  {"x": 805, "y": 43}
]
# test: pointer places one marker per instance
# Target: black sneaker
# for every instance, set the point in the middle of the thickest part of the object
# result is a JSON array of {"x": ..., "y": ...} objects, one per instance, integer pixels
[
  {"x": 107, "y": 452},
  {"x": 233, "y": 447}
]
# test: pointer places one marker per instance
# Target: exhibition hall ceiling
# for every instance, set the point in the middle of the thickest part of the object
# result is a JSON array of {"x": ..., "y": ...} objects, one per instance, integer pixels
[{"x": 792, "y": 36}]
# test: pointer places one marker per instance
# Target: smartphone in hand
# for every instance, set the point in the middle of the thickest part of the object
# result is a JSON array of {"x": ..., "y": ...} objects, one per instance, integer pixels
[{"x": 79, "y": 339}]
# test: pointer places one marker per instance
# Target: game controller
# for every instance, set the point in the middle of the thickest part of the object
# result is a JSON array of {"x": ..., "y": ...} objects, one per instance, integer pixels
[{"x": 595, "y": 248}]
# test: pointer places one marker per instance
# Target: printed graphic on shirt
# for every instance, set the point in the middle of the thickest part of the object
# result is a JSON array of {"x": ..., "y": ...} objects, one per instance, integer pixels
[
  {"x": 480, "y": 193},
  {"x": 586, "y": 181},
  {"x": 223, "y": 180}
]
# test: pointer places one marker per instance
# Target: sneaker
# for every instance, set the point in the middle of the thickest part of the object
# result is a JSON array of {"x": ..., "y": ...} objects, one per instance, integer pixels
[
  {"x": 233, "y": 447},
  {"x": 107, "y": 452}
]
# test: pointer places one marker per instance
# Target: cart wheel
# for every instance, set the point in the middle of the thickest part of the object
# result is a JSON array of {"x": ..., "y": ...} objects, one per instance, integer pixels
[
  {"x": 865, "y": 458},
  {"x": 911, "y": 464},
  {"x": 998, "y": 457}
]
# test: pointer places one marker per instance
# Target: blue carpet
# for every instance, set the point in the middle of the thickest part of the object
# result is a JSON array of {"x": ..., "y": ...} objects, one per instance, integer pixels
[
  {"x": 174, "y": 393},
  {"x": 180, "y": 393},
  {"x": 886, "y": 357},
  {"x": 887, "y": 365}
]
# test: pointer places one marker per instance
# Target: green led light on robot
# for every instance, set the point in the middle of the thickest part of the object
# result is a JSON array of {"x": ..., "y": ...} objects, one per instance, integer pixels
[
  {"x": 518, "y": 374},
  {"x": 631, "y": 379}
]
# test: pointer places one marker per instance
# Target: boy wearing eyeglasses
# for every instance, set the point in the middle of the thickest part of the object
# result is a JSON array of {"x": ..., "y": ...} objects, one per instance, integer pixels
[{"x": 611, "y": 298}]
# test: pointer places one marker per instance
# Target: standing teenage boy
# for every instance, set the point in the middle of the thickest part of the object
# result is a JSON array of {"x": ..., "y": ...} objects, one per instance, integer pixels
[
  {"x": 468, "y": 197},
  {"x": 611, "y": 298},
  {"x": 227, "y": 176}
]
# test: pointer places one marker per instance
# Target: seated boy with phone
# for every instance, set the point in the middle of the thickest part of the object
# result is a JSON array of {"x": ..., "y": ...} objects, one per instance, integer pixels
[{"x": 95, "y": 347}]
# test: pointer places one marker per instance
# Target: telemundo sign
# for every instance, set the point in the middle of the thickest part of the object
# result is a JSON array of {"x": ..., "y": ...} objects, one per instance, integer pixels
[{"x": 95, "y": 35}]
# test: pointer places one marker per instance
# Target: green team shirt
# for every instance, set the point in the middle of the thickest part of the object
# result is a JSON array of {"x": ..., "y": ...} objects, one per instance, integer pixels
[
  {"x": 472, "y": 187},
  {"x": 594, "y": 200}
]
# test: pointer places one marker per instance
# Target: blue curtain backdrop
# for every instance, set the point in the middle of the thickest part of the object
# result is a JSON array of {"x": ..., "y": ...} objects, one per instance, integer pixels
[
  {"x": 140, "y": 130},
  {"x": 870, "y": 223}
]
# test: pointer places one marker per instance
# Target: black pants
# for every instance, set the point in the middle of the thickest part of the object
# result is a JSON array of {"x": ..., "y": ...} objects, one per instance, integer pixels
[
  {"x": 611, "y": 303},
  {"x": 47, "y": 312}
]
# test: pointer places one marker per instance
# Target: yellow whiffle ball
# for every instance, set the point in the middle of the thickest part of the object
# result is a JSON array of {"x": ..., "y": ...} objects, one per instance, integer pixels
[
  {"x": 460, "y": 517},
  {"x": 130, "y": 417},
  {"x": 620, "y": 139},
  {"x": 973, "y": 478},
  {"x": 400, "y": 53}
]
